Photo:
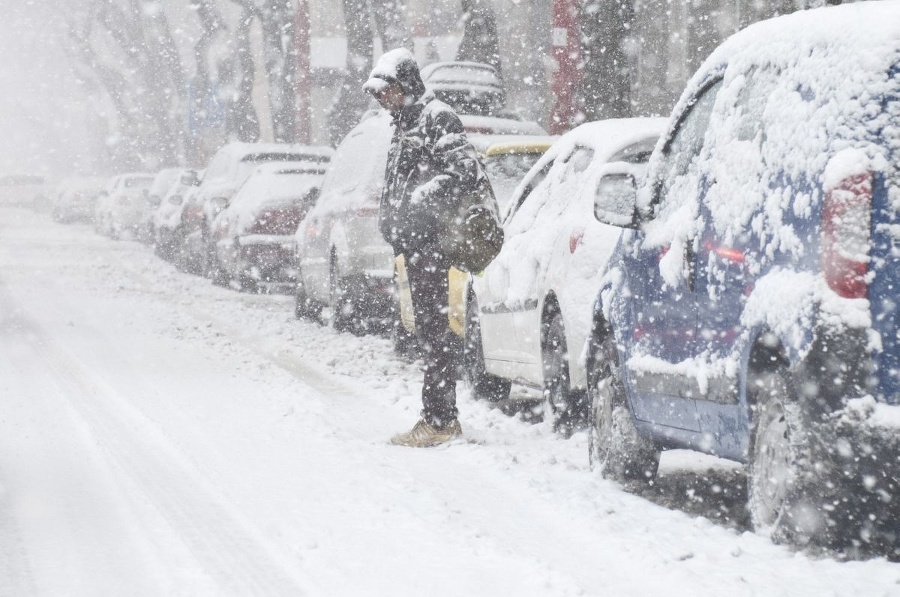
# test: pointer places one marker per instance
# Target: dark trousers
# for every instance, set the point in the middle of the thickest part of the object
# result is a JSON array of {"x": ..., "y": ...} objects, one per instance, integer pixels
[{"x": 429, "y": 287}]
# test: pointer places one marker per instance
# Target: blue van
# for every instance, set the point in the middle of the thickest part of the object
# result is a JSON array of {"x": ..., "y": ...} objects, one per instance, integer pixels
[{"x": 750, "y": 311}]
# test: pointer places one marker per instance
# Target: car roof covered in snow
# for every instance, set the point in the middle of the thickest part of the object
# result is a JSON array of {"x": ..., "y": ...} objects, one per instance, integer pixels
[
  {"x": 355, "y": 176},
  {"x": 809, "y": 86},
  {"x": 836, "y": 54},
  {"x": 272, "y": 186},
  {"x": 604, "y": 137}
]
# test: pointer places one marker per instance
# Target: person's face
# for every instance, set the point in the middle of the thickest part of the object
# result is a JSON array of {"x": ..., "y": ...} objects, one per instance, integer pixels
[{"x": 391, "y": 99}]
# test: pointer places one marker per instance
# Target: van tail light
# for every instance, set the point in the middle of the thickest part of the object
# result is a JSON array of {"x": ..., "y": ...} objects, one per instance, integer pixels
[
  {"x": 729, "y": 254},
  {"x": 846, "y": 222}
]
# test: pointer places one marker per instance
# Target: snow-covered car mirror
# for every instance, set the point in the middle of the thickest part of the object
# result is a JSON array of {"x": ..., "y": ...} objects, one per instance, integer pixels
[
  {"x": 176, "y": 199},
  {"x": 190, "y": 179},
  {"x": 616, "y": 200},
  {"x": 218, "y": 204}
]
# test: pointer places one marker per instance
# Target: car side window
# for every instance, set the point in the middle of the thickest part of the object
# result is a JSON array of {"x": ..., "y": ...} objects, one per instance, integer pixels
[
  {"x": 580, "y": 159},
  {"x": 535, "y": 181},
  {"x": 637, "y": 153},
  {"x": 684, "y": 146}
]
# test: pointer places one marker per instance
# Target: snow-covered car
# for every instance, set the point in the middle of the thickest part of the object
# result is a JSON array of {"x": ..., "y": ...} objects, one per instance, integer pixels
[
  {"x": 227, "y": 171},
  {"x": 160, "y": 186},
  {"x": 167, "y": 229},
  {"x": 343, "y": 261},
  {"x": 255, "y": 233},
  {"x": 468, "y": 87},
  {"x": 122, "y": 208},
  {"x": 21, "y": 190},
  {"x": 529, "y": 312},
  {"x": 189, "y": 223},
  {"x": 752, "y": 309},
  {"x": 76, "y": 198}
]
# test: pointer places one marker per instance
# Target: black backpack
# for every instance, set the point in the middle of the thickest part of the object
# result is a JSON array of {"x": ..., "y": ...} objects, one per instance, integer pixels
[{"x": 475, "y": 236}]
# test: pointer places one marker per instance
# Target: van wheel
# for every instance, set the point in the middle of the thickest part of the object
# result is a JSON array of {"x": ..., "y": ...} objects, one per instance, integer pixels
[
  {"x": 616, "y": 447},
  {"x": 568, "y": 406},
  {"x": 484, "y": 385},
  {"x": 784, "y": 491}
]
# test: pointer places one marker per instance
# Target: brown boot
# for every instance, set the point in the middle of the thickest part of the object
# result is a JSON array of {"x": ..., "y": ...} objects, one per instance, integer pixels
[{"x": 425, "y": 435}]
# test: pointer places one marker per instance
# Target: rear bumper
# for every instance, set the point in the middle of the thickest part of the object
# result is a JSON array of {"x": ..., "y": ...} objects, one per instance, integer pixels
[
  {"x": 860, "y": 444},
  {"x": 269, "y": 258}
]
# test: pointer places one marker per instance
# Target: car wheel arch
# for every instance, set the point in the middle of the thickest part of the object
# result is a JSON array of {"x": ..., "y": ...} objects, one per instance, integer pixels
[{"x": 766, "y": 352}]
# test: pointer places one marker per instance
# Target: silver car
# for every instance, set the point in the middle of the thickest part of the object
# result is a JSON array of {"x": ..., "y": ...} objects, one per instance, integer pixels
[
  {"x": 343, "y": 261},
  {"x": 126, "y": 204}
]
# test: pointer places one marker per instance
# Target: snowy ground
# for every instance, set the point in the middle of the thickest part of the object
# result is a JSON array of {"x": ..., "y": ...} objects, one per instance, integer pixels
[{"x": 162, "y": 436}]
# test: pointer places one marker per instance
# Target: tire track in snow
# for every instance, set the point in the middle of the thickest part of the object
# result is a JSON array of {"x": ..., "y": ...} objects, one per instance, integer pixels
[
  {"x": 271, "y": 350},
  {"x": 230, "y": 553}
]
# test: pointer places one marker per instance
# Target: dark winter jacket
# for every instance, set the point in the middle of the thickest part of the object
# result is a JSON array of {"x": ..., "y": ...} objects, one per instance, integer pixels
[{"x": 431, "y": 166}]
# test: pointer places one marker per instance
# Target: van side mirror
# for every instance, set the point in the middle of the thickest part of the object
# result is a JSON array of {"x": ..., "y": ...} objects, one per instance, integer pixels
[{"x": 616, "y": 201}]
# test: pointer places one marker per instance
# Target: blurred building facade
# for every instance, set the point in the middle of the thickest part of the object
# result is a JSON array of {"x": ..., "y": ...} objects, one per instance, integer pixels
[
  {"x": 191, "y": 76},
  {"x": 661, "y": 44}
]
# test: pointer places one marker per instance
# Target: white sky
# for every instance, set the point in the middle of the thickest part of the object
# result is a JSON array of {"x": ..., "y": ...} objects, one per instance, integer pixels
[{"x": 37, "y": 91}]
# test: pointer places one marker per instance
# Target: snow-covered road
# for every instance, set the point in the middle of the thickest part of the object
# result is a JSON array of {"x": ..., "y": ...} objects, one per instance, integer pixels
[{"x": 162, "y": 436}]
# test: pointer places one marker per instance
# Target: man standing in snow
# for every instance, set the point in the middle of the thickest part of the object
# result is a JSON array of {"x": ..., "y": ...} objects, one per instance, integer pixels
[{"x": 430, "y": 167}]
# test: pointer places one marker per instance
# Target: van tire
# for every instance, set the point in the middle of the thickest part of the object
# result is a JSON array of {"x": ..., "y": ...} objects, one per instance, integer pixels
[
  {"x": 784, "y": 491},
  {"x": 616, "y": 448}
]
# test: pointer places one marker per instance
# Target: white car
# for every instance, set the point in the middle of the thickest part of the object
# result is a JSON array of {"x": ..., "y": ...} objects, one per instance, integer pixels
[
  {"x": 255, "y": 233},
  {"x": 22, "y": 190},
  {"x": 529, "y": 313},
  {"x": 125, "y": 204},
  {"x": 167, "y": 217},
  {"x": 76, "y": 198},
  {"x": 162, "y": 182}
]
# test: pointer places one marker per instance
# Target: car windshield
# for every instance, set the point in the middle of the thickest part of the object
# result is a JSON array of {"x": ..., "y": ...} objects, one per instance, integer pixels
[{"x": 506, "y": 171}]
